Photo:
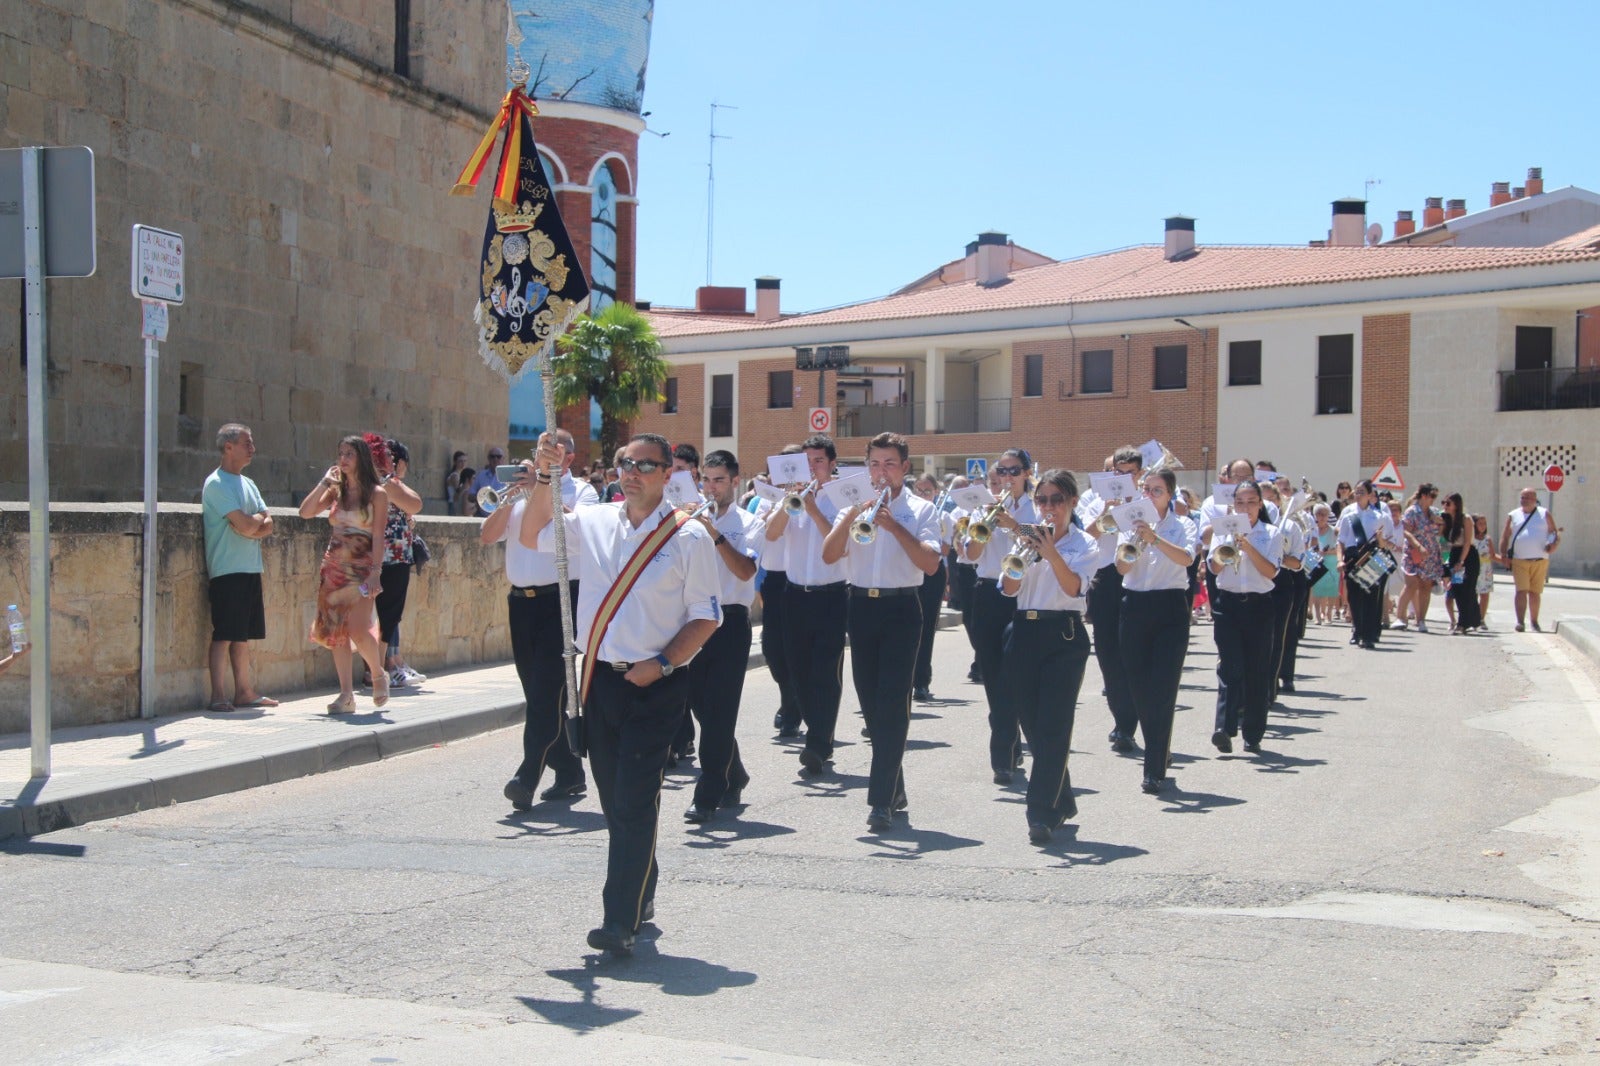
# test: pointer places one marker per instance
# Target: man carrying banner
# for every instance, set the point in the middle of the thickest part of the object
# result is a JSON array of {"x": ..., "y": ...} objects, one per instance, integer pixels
[{"x": 648, "y": 601}]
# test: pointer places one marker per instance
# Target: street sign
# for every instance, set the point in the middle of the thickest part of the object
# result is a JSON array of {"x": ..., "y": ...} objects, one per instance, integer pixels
[
  {"x": 1388, "y": 476},
  {"x": 1554, "y": 477},
  {"x": 154, "y": 327},
  {"x": 977, "y": 469},
  {"x": 68, "y": 221},
  {"x": 820, "y": 420},
  {"x": 157, "y": 264}
]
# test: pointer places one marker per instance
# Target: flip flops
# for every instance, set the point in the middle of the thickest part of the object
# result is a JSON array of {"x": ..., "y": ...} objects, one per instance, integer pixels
[
  {"x": 259, "y": 701},
  {"x": 220, "y": 707}
]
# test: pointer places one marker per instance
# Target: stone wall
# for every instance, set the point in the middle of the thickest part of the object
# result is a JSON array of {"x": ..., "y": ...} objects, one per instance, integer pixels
[{"x": 455, "y": 613}]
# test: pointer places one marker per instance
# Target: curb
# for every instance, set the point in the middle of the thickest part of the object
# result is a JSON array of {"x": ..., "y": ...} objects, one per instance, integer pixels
[{"x": 1583, "y": 633}]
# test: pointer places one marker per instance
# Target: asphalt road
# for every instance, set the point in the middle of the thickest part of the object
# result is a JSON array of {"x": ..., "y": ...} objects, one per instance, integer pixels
[{"x": 1408, "y": 873}]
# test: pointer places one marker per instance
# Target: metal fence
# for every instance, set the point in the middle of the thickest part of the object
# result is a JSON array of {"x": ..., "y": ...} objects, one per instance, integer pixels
[{"x": 1559, "y": 388}]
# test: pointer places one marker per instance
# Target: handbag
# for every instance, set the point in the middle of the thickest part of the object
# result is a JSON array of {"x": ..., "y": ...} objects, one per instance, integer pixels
[{"x": 419, "y": 552}]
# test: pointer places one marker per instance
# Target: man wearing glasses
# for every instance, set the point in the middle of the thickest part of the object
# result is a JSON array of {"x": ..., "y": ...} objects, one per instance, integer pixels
[{"x": 649, "y": 600}]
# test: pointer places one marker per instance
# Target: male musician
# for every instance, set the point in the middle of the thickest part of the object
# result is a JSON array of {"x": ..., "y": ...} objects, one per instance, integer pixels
[
  {"x": 716, "y": 677},
  {"x": 931, "y": 597},
  {"x": 1105, "y": 614},
  {"x": 534, "y": 607},
  {"x": 814, "y": 606},
  {"x": 885, "y": 574},
  {"x": 650, "y": 599},
  {"x": 1360, "y": 526},
  {"x": 774, "y": 622}
]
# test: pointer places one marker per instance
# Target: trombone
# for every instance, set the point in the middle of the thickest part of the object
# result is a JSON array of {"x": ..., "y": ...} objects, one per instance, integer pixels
[
  {"x": 1017, "y": 561},
  {"x": 981, "y": 529},
  {"x": 795, "y": 502},
  {"x": 864, "y": 531}
]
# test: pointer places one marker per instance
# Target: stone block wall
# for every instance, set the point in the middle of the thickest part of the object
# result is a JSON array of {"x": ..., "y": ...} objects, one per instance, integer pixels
[{"x": 455, "y": 613}]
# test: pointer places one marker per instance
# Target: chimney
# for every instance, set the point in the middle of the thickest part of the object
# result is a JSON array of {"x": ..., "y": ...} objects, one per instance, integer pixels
[
  {"x": 1535, "y": 181},
  {"x": 1499, "y": 193},
  {"x": 994, "y": 258},
  {"x": 1349, "y": 223},
  {"x": 1454, "y": 209},
  {"x": 1518, "y": 192},
  {"x": 1432, "y": 211},
  {"x": 767, "y": 299},
  {"x": 719, "y": 299},
  {"x": 1404, "y": 225},
  {"x": 1180, "y": 238}
]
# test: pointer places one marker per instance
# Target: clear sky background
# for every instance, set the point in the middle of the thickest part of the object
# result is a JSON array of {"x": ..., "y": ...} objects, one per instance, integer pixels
[{"x": 875, "y": 138}]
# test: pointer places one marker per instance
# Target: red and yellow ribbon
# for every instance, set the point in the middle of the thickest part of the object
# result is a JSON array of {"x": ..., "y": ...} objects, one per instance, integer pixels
[{"x": 516, "y": 103}]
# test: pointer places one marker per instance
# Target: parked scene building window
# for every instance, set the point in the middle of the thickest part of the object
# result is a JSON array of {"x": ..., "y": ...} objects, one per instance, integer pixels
[
  {"x": 1033, "y": 375},
  {"x": 780, "y": 388},
  {"x": 1244, "y": 363},
  {"x": 669, "y": 397},
  {"x": 1172, "y": 366},
  {"x": 1336, "y": 362},
  {"x": 1096, "y": 371},
  {"x": 721, "y": 405}
]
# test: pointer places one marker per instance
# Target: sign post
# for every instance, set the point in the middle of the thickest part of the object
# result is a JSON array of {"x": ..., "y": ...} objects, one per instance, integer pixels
[
  {"x": 1554, "y": 478},
  {"x": 157, "y": 282}
]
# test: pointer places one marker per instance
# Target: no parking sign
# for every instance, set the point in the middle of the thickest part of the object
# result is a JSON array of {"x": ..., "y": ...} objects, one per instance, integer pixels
[{"x": 821, "y": 420}]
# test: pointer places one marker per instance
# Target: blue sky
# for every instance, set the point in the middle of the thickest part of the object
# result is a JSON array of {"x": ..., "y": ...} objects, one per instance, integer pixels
[{"x": 873, "y": 139}]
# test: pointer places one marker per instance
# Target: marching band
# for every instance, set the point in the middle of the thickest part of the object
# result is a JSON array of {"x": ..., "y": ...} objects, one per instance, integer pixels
[{"x": 866, "y": 555}]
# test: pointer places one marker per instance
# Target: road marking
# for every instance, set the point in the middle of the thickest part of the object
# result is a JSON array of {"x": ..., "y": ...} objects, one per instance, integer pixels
[{"x": 1396, "y": 911}]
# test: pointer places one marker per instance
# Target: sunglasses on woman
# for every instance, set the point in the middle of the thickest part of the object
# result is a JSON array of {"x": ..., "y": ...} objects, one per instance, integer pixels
[
  {"x": 639, "y": 466},
  {"x": 1008, "y": 471},
  {"x": 1054, "y": 500}
]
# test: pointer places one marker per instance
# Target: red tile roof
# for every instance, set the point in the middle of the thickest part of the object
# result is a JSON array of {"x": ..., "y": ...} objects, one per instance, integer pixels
[{"x": 1144, "y": 272}]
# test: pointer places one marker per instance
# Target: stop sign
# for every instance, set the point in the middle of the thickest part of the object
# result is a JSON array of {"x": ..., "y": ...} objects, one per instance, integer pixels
[{"x": 1554, "y": 476}]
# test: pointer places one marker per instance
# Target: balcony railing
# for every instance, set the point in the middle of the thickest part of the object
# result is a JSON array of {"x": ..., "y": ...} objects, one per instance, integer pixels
[
  {"x": 954, "y": 416},
  {"x": 1560, "y": 388}
]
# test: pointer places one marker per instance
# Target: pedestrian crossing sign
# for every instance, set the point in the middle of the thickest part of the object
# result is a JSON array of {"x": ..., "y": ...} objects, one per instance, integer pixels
[
  {"x": 1388, "y": 476},
  {"x": 977, "y": 469}
]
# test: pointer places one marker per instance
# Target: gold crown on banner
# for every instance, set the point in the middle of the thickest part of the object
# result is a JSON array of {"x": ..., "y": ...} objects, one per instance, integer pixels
[{"x": 509, "y": 218}]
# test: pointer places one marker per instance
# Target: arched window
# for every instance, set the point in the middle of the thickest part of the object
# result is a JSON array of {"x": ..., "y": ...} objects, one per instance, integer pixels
[{"x": 603, "y": 241}]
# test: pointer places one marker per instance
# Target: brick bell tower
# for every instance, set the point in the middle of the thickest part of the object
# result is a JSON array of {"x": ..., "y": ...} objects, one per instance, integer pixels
[{"x": 588, "y": 59}]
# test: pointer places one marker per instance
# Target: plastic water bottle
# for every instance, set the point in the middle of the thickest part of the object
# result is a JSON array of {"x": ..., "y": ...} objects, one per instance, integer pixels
[{"x": 18, "y": 627}]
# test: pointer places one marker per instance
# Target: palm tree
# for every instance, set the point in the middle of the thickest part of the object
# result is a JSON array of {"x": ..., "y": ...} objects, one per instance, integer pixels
[{"x": 615, "y": 358}]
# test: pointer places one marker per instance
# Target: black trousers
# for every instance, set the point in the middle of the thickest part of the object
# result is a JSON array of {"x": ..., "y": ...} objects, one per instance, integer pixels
[
  {"x": 883, "y": 656},
  {"x": 1464, "y": 592},
  {"x": 1283, "y": 597},
  {"x": 958, "y": 588},
  {"x": 814, "y": 631},
  {"x": 1366, "y": 607},
  {"x": 1045, "y": 661},
  {"x": 716, "y": 685},
  {"x": 630, "y": 734},
  {"x": 773, "y": 619},
  {"x": 1242, "y": 626},
  {"x": 931, "y": 599},
  {"x": 536, "y": 646},
  {"x": 965, "y": 578},
  {"x": 992, "y": 611},
  {"x": 1105, "y": 614},
  {"x": 391, "y": 601},
  {"x": 1296, "y": 628},
  {"x": 1155, "y": 641}
]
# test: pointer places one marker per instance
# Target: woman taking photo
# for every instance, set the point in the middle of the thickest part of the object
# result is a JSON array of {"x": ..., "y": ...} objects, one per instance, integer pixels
[
  {"x": 1047, "y": 646},
  {"x": 349, "y": 581},
  {"x": 1462, "y": 564},
  {"x": 991, "y": 611},
  {"x": 1421, "y": 562},
  {"x": 1244, "y": 618},
  {"x": 1155, "y": 620}
]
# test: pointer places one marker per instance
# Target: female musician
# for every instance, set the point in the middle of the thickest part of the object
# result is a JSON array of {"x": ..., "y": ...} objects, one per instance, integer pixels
[
  {"x": 1245, "y": 616},
  {"x": 1047, "y": 646},
  {"x": 1155, "y": 620},
  {"x": 991, "y": 611}
]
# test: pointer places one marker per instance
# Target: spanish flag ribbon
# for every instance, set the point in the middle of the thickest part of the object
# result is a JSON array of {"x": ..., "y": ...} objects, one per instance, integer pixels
[{"x": 515, "y": 104}]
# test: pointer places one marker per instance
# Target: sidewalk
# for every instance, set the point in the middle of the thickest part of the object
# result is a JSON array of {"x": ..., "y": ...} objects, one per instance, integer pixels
[{"x": 105, "y": 771}]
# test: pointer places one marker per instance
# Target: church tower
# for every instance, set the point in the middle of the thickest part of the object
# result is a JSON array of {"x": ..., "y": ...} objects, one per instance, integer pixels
[{"x": 588, "y": 61}]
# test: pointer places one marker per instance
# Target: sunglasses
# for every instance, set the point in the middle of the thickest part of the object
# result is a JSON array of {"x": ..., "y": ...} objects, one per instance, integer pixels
[
  {"x": 638, "y": 466},
  {"x": 1050, "y": 501},
  {"x": 1008, "y": 471}
]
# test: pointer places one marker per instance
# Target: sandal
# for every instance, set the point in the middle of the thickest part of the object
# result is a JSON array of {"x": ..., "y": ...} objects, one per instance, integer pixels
[
  {"x": 342, "y": 706},
  {"x": 380, "y": 692}
]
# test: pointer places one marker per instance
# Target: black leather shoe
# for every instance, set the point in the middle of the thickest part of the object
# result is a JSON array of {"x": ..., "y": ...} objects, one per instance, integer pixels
[
  {"x": 1286, "y": 686},
  {"x": 1222, "y": 742},
  {"x": 922, "y": 695},
  {"x": 1253, "y": 747},
  {"x": 613, "y": 938},
  {"x": 1038, "y": 833},
  {"x": 900, "y": 802},
  {"x": 880, "y": 819},
  {"x": 1120, "y": 743},
  {"x": 1153, "y": 785},
  {"x": 735, "y": 794},
  {"x": 697, "y": 813},
  {"x": 787, "y": 731},
  {"x": 520, "y": 794},
  {"x": 866, "y": 732},
  {"x": 811, "y": 761},
  {"x": 558, "y": 791},
  {"x": 1002, "y": 777},
  {"x": 647, "y": 913}
]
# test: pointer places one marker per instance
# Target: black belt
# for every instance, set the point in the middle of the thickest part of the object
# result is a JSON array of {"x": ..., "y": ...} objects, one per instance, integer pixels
[
  {"x": 533, "y": 591},
  {"x": 1243, "y": 595},
  {"x": 735, "y": 609},
  {"x": 816, "y": 588},
  {"x": 874, "y": 594},
  {"x": 1045, "y": 616}
]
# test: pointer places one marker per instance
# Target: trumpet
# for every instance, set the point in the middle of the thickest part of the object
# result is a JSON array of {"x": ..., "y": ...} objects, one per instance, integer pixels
[
  {"x": 1226, "y": 553},
  {"x": 705, "y": 505},
  {"x": 1128, "y": 552},
  {"x": 864, "y": 531},
  {"x": 961, "y": 526},
  {"x": 1016, "y": 562},
  {"x": 491, "y": 499},
  {"x": 981, "y": 529},
  {"x": 1107, "y": 522},
  {"x": 795, "y": 502}
]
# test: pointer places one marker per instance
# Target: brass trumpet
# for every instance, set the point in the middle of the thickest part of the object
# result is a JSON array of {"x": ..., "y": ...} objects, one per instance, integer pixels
[
  {"x": 961, "y": 526},
  {"x": 1226, "y": 553},
  {"x": 1128, "y": 552},
  {"x": 795, "y": 502},
  {"x": 864, "y": 531},
  {"x": 491, "y": 499},
  {"x": 1016, "y": 562},
  {"x": 981, "y": 529}
]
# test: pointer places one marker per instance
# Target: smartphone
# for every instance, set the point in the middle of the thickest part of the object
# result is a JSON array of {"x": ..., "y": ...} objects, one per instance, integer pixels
[{"x": 508, "y": 474}]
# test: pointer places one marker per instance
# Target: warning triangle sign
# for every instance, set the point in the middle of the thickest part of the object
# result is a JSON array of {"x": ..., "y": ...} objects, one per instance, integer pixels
[{"x": 1388, "y": 476}]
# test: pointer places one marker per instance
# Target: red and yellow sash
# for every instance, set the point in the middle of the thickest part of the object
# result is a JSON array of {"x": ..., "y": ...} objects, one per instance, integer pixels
[{"x": 670, "y": 523}]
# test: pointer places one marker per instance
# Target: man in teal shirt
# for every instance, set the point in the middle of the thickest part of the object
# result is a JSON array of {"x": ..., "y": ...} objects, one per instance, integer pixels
[{"x": 236, "y": 519}]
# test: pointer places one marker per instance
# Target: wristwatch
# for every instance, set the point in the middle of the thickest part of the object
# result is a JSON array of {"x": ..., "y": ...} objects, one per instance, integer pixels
[{"x": 666, "y": 665}]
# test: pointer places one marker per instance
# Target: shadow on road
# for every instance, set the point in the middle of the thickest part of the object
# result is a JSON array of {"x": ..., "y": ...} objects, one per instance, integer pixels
[
  {"x": 832, "y": 785},
  {"x": 1178, "y": 801},
  {"x": 675, "y": 975},
  {"x": 728, "y": 829},
  {"x": 552, "y": 820},
  {"x": 1272, "y": 762},
  {"x": 906, "y": 842},
  {"x": 1066, "y": 845},
  {"x": 42, "y": 847}
]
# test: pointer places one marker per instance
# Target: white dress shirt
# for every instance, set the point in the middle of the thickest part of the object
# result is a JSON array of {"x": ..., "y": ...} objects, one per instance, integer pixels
[
  {"x": 1245, "y": 577},
  {"x": 1211, "y": 509},
  {"x": 525, "y": 566},
  {"x": 884, "y": 564},
  {"x": 745, "y": 535},
  {"x": 1372, "y": 525},
  {"x": 1000, "y": 544},
  {"x": 803, "y": 544},
  {"x": 675, "y": 588},
  {"x": 1041, "y": 591},
  {"x": 1153, "y": 571}
]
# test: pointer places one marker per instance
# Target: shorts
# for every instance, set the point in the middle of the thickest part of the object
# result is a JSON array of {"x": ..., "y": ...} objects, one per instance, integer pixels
[
  {"x": 1530, "y": 574},
  {"x": 237, "y": 611}
]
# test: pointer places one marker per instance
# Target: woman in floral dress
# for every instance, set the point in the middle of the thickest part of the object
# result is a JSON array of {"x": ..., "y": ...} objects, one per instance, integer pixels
[{"x": 1422, "y": 560}]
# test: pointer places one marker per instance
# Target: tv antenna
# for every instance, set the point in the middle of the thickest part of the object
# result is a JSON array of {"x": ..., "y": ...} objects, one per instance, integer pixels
[
  {"x": 1370, "y": 182},
  {"x": 711, "y": 177}
]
